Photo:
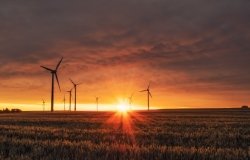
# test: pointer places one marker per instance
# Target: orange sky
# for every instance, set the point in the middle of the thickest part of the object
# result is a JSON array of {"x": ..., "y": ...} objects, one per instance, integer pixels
[
  {"x": 119, "y": 83},
  {"x": 195, "y": 57}
]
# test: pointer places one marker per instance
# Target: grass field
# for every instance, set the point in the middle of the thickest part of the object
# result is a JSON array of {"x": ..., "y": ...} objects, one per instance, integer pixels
[{"x": 170, "y": 134}]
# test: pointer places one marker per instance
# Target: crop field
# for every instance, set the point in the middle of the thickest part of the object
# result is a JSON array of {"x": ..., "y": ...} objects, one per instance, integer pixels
[{"x": 167, "y": 134}]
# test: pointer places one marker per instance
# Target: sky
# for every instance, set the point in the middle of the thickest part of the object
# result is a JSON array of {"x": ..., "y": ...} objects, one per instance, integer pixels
[{"x": 195, "y": 53}]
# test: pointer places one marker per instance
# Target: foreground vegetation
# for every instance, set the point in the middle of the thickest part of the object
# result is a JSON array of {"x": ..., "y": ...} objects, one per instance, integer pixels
[{"x": 172, "y": 134}]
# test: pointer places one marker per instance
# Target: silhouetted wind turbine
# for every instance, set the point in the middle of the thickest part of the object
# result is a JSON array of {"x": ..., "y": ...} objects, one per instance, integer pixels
[
  {"x": 149, "y": 93},
  {"x": 43, "y": 105},
  {"x": 97, "y": 103},
  {"x": 64, "y": 101},
  {"x": 130, "y": 100},
  {"x": 75, "y": 85},
  {"x": 53, "y": 74},
  {"x": 70, "y": 94}
]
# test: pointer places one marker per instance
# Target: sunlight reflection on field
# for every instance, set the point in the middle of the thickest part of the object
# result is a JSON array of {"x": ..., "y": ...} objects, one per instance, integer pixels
[{"x": 124, "y": 122}]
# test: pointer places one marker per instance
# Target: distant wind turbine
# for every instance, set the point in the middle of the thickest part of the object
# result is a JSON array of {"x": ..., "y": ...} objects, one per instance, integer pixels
[
  {"x": 53, "y": 74},
  {"x": 97, "y": 103},
  {"x": 130, "y": 99},
  {"x": 43, "y": 105},
  {"x": 70, "y": 95},
  {"x": 148, "y": 92},
  {"x": 75, "y": 86},
  {"x": 64, "y": 101}
]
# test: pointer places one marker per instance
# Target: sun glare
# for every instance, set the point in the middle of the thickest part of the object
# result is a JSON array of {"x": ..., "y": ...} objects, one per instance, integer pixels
[{"x": 122, "y": 107}]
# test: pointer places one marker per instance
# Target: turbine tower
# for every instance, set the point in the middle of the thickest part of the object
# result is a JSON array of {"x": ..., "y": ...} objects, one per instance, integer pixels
[
  {"x": 97, "y": 103},
  {"x": 148, "y": 92},
  {"x": 70, "y": 95},
  {"x": 53, "y": 74},
  {"x": 43, "y": 105},
  {"x": 74, "y": 86},
  {"x": 64, "y": 101}
]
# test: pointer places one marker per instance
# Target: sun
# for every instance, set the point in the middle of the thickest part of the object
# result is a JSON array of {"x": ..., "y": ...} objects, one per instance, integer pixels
[{"x": 122, "y": 107}]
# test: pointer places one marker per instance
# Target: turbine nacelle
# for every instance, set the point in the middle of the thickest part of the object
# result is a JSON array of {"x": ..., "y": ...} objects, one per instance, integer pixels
[{"x": 74, "y": 84}]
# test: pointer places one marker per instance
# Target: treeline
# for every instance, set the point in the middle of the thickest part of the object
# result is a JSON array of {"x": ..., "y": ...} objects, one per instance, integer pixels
[
  {"x": 245, "y": 107},
  {"x": 7, "y": 110}
]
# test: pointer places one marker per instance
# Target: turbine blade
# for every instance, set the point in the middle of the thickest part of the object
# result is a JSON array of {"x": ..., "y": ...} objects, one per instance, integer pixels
[
  {"x": 47, "y": 68},
  {"x": 149, "y": 85},
  {"x": 59, "y": 64},
  {"x": 143, "y": 90},
  {"x": 150, "y": 94},
  {"x": 72, "y": 82},
  {"x": 79, "y": 83},
  {"x": 58, "y": 82}
]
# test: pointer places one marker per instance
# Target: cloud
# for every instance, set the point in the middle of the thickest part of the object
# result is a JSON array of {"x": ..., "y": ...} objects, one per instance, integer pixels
[{"x": 196, "y": 43}]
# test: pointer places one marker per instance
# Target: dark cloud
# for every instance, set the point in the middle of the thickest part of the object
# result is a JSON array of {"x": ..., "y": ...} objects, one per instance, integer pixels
[{"x": 201, "y": 42}]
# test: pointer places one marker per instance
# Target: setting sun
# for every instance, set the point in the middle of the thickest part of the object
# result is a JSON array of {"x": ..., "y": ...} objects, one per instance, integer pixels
[{"x": 123, "y": 107}]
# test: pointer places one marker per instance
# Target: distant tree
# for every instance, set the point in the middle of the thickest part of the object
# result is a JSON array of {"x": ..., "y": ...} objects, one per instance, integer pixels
[
  {"x": 244, "y": 107},
  {"x": 6, "y": 110}
]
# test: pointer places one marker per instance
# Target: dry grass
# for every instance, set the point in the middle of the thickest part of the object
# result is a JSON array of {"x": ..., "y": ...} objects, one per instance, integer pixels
[{"x": 173, "y": 134}]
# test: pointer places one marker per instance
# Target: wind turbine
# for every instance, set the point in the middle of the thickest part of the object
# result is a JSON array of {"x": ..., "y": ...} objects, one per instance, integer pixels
[
  {"x": 130, "y": 99},
  {"x": 53, "y": 74},
  {"x": 70, "y": 95},
  {"x": 43, "y": 105},
  {"x": 75, "y": 86},
  {"x": 97, "y": 103},
  {"x": 64, "y": 101},
  {"x": 148, "y": 92}
]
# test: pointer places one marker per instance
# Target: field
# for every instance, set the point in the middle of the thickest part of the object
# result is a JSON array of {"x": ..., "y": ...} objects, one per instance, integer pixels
[{"x": 167, "y": 134}]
